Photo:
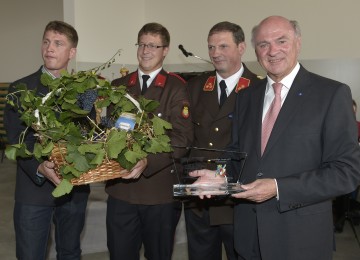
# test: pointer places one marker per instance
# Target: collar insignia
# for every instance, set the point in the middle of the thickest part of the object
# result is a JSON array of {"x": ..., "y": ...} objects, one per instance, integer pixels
[
  {"x": 210, "y": 84},
  {"x": 243, "y": 83},
  {"x": 133, "y": 79},
  {"x": 160, "y": 80}
]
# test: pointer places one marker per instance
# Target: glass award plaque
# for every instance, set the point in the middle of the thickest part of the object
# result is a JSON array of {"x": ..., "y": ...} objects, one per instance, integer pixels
[
  {"x": 181, "y": 190},
  {"x": 222, "y": 162}
]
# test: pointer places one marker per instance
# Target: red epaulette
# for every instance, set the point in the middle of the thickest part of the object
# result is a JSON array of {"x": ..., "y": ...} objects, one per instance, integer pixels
[
  {"x": 132, "y": 79},
  {"x": 210, "y": 84},
  {"x": 243, "y": 83},
  {"x": 178, "y": 76}
]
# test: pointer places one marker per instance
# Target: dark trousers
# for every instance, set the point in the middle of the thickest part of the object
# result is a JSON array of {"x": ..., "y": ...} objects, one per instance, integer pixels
[
  {"x": 131, "y": 225},
  {"x": 205, "y": 241},
  {"x": 32, "y": 229}
]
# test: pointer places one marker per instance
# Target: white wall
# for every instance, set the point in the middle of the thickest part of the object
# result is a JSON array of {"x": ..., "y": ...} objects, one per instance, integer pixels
[
  {"x": 329, "y": 29},
  {"x": 22, "y": 25}
]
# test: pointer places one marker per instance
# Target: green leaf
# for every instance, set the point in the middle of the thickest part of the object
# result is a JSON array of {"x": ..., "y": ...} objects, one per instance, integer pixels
[
  {"x": 99, "y": 158},
  {"x": 160, "y": 125},
  {"x": 90, "y": 148},
  {"x": 81, "y": 164},
  {"x": 48, "y": 148},
  {"x": 103, "y": 103},
  {"x": 63, "y": 188},
  {"x": 28, "y": 118},
  {"x": 80, "y": 111},
  {"x": 46, "y": 79},
  {"x": 55, "y": 133},
  {"x": 149, "y": 105},
  {"x": 159, "y": 144},
  {"x": 135, "y": 155},
  {"x": 116, "y": 142},
  {"x": 69, "y": 106},
  {"x": 20, "y": 150},
  {"x": 69, "y": 172},
  {"x": 11, "y": 151},
  {"x": 125, "y": 163},
  {"x": 38, "y": 150}
]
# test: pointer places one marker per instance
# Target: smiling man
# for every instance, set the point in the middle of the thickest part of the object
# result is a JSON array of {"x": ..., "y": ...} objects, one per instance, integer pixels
[
  {"x": 140, "y": 208},
  {"x": 209, "y": 224},
  {"x": 311, "y": 155}
]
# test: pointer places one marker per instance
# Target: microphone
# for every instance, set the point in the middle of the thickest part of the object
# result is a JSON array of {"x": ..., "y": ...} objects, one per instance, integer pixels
[
  {"x": 183, "y": 50},
  {"x": 187, "y": 54}
]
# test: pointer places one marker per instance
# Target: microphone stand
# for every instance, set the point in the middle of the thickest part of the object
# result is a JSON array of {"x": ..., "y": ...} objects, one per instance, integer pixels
[
  {"x": 197, "y": 57},
  {"x": 186, "y": 54}
]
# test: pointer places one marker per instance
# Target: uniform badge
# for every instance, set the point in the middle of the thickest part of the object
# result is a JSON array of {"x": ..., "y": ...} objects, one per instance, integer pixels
[
  {"x": 132, "y": 79},
  {"x": 210, "y": 83},
  {"x": 243, "y": 83},
  {"x": 185, "y": 113},
  {"x": 160, "y": 80}
]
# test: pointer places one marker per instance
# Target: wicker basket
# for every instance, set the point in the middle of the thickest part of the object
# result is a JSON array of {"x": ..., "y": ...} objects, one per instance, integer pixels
[{"x": 106, "y": 171}]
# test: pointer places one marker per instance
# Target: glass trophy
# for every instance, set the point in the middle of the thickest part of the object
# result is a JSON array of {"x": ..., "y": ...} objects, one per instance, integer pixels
[
  {"x": 229, "y": 164},
  {"x": 183, "y": 190}
]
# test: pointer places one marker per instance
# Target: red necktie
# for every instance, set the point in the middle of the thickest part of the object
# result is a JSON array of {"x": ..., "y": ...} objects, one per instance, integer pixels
[{"x": 271, "y": 116}]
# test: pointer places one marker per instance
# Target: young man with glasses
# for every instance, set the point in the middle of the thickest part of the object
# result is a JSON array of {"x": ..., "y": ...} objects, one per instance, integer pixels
[{"x": 140, "y": 208}]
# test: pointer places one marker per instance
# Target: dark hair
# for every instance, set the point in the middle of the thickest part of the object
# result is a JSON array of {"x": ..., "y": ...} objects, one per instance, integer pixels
[
  {"x": 65, "y": 29},
  {"x": 236, "y": 30},
  {"x": 157, "y": 29}
]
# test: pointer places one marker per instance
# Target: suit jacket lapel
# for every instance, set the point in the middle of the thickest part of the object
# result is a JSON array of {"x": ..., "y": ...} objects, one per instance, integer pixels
[
  {"x": 258, "y": 103},
  {"x": 298, "y": 91}
]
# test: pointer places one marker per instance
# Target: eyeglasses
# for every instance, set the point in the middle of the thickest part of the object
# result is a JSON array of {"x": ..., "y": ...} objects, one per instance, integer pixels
[{"x": 150, "y": 46}]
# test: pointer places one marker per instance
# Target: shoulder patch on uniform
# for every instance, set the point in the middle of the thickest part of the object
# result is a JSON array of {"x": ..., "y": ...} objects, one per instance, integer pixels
[
  {"x": 185, "y": 113},
  {"x": 210, "y": 84},
  {"x": 243, "y": 83}
]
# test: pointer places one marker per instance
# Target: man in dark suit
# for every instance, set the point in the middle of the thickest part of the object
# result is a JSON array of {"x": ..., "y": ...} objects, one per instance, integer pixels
[
  {"x": 312, "y": 154},
  {"x": 35, "y": 207},
  {"x": 141, "y": 208},
  {"x": 209, "y": 224}
]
